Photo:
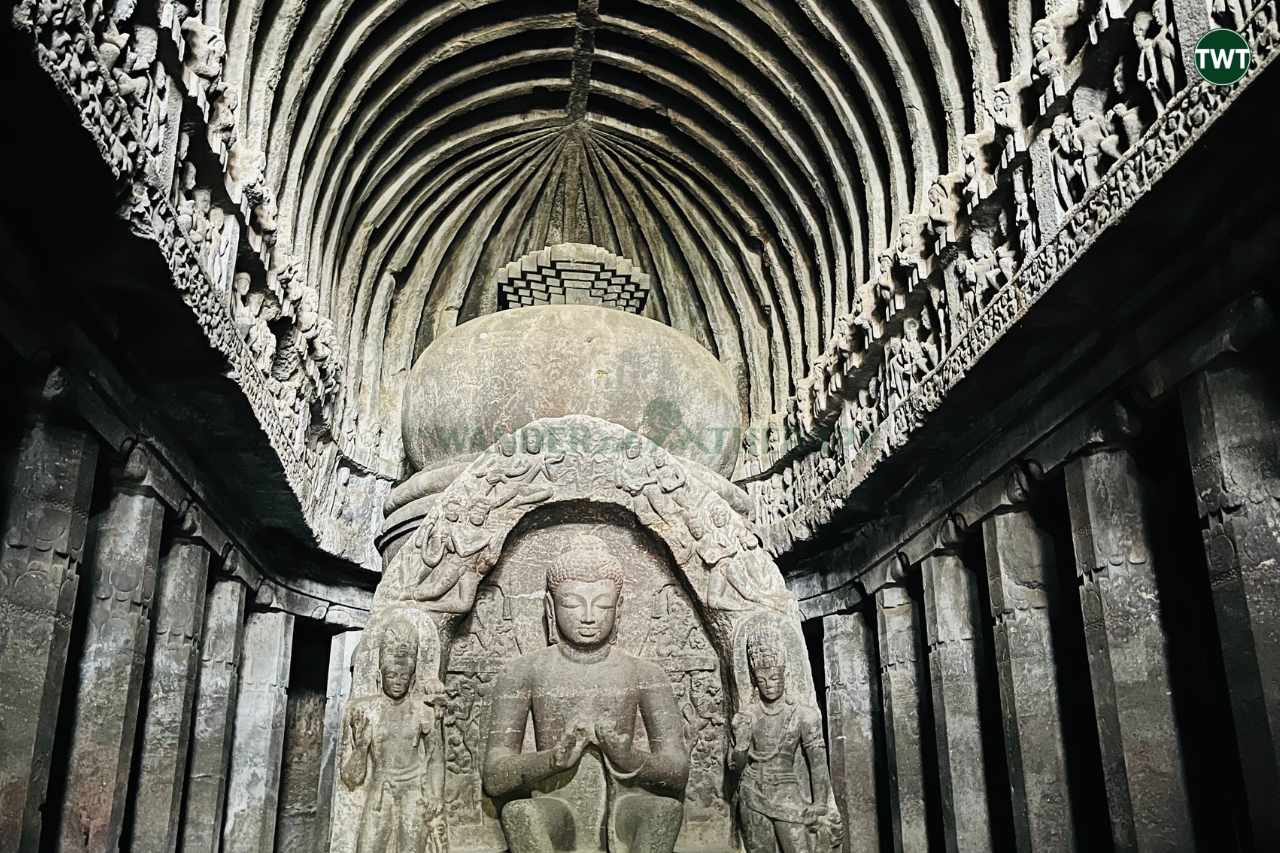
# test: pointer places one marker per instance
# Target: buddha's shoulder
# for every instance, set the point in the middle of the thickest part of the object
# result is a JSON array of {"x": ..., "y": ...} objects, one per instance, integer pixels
[{"x": 638, "y": 666}]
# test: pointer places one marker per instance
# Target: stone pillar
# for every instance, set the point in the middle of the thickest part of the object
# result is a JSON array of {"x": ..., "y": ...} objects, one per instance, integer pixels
[
  {"x": 45, "y": 521},
  {"x": 253, "y": 787},
  {"x": 953, "y": 623},
  {"x": 342, "y": 649},
  {"x": 213, "y": 717},
  {"x": 1128, "y": 661},
  {"x": 1232, "y": 416},
  {"x": 1020, "y": 572},
  {"x": 170, "y": 695},
  {"x": 124, "y": 553},
  {"x": 853, "y": 721},
  {"x": 896, "y": 629},
  {"x": 297, "y": 818}
]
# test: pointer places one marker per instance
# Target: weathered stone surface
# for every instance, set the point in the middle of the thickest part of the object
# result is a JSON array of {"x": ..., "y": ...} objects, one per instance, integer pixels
[
  {"x": 297, "y": 823},
  {"x": 342, "y": 650},
  {"x": 253, "y": 778},
  {"x": 1128, "y": 659},
  {"x": 953, "y": 626},
  {"x": 169, "y": 695},
  {"x": 1231, "y": 411},
  {"x": 1020, "y": 574},
  {"x": 214, "y": 715},
  {"x": 124, "y": 552},
  {"x": 49, "y": 486},
  {"x": 854, "y": 720},
  {"x": 897, "y": 629},
  {"x": 582, "y": 360}
]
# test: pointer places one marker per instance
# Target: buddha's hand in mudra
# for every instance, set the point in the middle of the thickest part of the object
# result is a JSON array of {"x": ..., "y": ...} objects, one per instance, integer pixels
[
  {"x": 568, "y": 751},
  {"x": 615, "y": 745}
]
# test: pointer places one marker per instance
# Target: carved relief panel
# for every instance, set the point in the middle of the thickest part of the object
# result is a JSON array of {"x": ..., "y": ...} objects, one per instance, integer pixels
[{"x": 657, "y": 622}]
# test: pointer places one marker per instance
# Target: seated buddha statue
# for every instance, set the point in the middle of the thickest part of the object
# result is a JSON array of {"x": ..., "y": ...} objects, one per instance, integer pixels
[{"x": 592, "y": 781}]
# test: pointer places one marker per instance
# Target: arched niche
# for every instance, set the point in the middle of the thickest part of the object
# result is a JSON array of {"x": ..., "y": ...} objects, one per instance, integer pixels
[
  {"x": 659, "y": 620},
  {"x": 480, "y": 554}
]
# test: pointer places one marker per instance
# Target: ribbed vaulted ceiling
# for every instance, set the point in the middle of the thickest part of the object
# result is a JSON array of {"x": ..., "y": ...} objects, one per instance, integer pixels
[{"x": 750, "y": 155}]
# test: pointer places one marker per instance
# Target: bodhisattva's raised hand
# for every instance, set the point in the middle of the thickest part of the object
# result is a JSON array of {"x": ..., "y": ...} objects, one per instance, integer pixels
[
  {"x": 568, "y": 751},
  {"x": 359, "y": 724}
]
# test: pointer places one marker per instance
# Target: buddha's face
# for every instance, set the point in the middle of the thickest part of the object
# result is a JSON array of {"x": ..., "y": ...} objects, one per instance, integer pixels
[
  {"x": 771, "y": 681},
  {"x": 585, "y": 612},
  {"x": 397, "y": 664}
]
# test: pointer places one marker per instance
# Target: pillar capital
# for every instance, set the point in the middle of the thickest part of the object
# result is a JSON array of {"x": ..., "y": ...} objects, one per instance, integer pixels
[
  {"x": 949, "y": 534},
  {"x": 1018, "y": 485}
]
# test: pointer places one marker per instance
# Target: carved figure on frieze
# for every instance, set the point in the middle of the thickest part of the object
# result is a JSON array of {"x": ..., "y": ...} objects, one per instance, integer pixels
[
  {"x": 774, "y": 811},
  {"x": 849, "y": 344},
  {"x": 979, "y": 170},
  {"x": 206, "y": 49},
  {"x": 512, "y": 473},
  {"x": 920, "y": 355},
  {"x": 1007, "y": 114},
  {"x": 393, "y": 748},
  {"x": 831, "y": 371},
  {"x": 1049, "y": 58},
  {"x": 1024, "y": 221},
  {"x": 1153, "y": 33},
  {"x": 244, "y": 163},
  {"x": 1099, "y": 147},
  {"x": 448, "y": 582},
  {"x": 132, "y": 75},
  {"x": 742, "y": 576},
  {"x": 262, "y": 204},
  {"x": 1231, "y": 13},
  {"x": 261, "y": 340},
  {"x": 968, "y": 277},
  {"x": 661, "y": 494},
  {"x": 223, "y": 105},
  {"x": 587, "y": 784},
  {"x": 944, "y": 211},
  {"x": 1065, "y": 156},
  {"x": 913, "y": 257}
]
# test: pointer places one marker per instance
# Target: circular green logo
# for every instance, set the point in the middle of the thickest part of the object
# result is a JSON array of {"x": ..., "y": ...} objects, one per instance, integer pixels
[{"x": 1222, "y": 56}]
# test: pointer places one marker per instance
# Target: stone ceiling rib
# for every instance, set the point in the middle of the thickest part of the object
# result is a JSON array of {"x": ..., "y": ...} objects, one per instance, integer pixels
[{"x": 753, "y": 157}]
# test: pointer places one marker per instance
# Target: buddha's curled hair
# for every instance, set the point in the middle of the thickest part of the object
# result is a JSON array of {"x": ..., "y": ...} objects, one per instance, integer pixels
[{"x": 587, "y": 559}]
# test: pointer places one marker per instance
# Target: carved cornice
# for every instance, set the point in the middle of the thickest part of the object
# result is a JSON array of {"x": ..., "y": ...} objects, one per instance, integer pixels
[
  {"x": 66, "y": 48},
  {"x": 1187, "y": 116}
]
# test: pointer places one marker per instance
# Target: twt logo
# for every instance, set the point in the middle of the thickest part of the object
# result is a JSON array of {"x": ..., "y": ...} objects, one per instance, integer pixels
[{"x": 1222, "y": 56}]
